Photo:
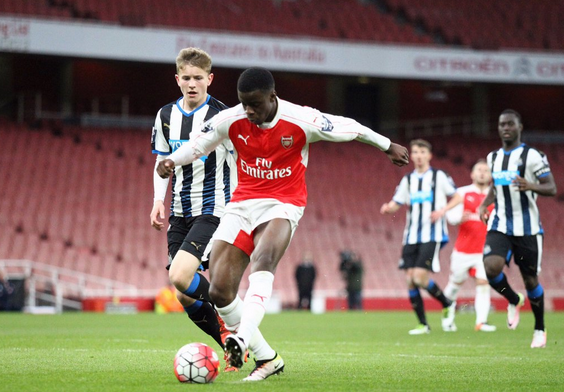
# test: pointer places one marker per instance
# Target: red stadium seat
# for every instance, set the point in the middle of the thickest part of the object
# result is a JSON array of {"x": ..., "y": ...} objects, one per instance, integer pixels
[
  {"x": 86, "y": 214},
  {"x": 473, "y": 23}
]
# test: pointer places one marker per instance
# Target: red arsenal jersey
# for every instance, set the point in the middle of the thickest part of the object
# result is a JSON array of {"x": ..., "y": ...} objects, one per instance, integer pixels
[
  {"x": 270, "y": 162},
  {"x": 472, "y": 232},
  {"x": 272, "y": 158}
]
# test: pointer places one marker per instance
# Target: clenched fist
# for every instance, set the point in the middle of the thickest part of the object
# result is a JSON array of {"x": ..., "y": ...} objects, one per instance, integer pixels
[{"x": 165, "y": 168}]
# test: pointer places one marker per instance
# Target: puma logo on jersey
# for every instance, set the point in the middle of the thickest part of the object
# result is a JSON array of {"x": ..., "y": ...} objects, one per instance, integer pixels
[
  {"x": 244, "y": 138},
  {"x": 166, "y": 125}
]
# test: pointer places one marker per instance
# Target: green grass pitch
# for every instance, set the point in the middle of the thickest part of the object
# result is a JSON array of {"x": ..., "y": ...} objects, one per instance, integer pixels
[{"x": 342, "y": 351}]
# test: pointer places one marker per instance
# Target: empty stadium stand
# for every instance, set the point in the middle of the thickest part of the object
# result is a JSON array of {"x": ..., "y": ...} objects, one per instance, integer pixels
[
  {"x": 480, "y": 24},
  {"x": 76, "y": 200},
  {"x": 483, "y": 24},
  {"x": 80, "y": 199}
]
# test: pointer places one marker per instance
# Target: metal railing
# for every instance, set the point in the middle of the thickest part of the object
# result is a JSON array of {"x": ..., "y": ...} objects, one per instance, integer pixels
[{"x": 62, "y": 287}]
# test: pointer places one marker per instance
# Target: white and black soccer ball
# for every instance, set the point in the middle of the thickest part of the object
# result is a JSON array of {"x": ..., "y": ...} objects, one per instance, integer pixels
[{"x": 196, "y": 363}]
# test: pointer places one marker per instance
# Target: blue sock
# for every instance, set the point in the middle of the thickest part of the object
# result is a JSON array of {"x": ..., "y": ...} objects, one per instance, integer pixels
[
  {"x": 437, "y": 293},
  {"x": 204, "y": 317},
  {"x": 193, "y": 308},
  {"x": 417, "y": 305},
  {"x": 536, "y": 292},
  {"x": 193, "y": 285},
  {"x": 500, "y": 284},
  {"x": 497, "y": 279},
  {"x": 536, "y": 299},
  {"x": 199, "y": 288}
]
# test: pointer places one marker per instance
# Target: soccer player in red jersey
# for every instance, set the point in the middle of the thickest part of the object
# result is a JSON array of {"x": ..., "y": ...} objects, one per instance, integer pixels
[
  {"x": 467, "y": 258},
  {"x": 271, "y": 140}
]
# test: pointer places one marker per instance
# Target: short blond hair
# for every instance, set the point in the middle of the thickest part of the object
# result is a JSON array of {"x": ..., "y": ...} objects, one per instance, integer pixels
[
  {"x": 195, "y": 57},
  {"x": 421, "y": 143}
]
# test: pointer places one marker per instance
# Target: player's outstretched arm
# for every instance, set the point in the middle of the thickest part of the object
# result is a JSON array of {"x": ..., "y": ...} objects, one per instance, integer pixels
[
  {"x": 397, "y": 154},
  {"x": 187, "y": 153}
]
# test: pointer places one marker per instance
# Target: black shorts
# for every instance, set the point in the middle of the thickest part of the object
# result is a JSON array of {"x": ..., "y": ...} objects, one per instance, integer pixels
[
  {"x": 526, "y": 250},
  {"x": 191, "y": 235},
  {"x": 421, "y": 255}
]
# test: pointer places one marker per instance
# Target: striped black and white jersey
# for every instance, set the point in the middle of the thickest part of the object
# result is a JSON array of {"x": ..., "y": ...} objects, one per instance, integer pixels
[
  {"x": 423, "y": 193},
  {"x": 205, "y": 186},
  {"x": 516, "y": 213}
]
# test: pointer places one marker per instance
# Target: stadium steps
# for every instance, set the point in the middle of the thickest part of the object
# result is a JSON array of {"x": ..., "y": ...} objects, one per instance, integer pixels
[{"x": 80, "y": 205}]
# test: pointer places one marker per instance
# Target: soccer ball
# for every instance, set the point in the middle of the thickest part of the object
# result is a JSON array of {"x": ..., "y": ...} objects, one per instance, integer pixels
[{"x": 196, "y": 363}]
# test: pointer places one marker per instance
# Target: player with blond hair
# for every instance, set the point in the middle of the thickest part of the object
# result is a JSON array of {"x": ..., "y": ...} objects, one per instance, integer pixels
[{"x": 200, "y": 190}]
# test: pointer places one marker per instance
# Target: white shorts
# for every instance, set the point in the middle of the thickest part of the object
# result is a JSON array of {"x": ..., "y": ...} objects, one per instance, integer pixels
[
  {"x": 463, "y": 265},
  {"x": 243, "y": 217}
]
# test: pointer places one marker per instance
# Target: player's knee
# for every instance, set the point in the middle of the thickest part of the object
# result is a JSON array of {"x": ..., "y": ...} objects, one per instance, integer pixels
[
  {"x": 418, "y": 282},
  {"x": 173, "y": 278},
  {"x": 220, "y": 297},
  {"x": 420, "y": 279},
  {"x": 179, "y": 279},
  {"x": 184, "y": 300},
  {"x": 531, "y": 282},
  {"x": 179, "y": 296},
  {"x": 492, "y": 272},
  {"x": 493, "y": 266},
  {"x": 264, "y": 263}
]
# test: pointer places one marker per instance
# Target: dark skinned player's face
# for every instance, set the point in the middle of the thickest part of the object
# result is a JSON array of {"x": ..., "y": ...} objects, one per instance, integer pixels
[
  {"x": 509, "y": 128},
  {"x": 260, "y": 106}
]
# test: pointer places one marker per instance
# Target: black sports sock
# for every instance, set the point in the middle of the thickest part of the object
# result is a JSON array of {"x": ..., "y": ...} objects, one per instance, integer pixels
[
  {"x": 536, "y": 299},
  {"x": 206, "y": 319},
  {"x": 417, "y": 305},
  {"x": 199, "y": 288},
  {"x": 437, "y": 293},
  {"x": 500, "y": 284}
]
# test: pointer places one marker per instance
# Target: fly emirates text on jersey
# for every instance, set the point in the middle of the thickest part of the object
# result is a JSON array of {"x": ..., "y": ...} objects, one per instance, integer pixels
[{"x": 263, "y": 169}]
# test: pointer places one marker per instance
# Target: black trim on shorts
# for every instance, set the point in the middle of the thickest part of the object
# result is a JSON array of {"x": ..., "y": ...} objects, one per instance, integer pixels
[
  {"x": 418, "y": 255},
  {"x": 191, "y": 235},
  {"x": 523, "y": 250}
]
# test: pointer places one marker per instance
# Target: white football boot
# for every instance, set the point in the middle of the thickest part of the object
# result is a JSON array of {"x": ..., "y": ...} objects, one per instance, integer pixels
[{"x": 266, "y": 368}]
